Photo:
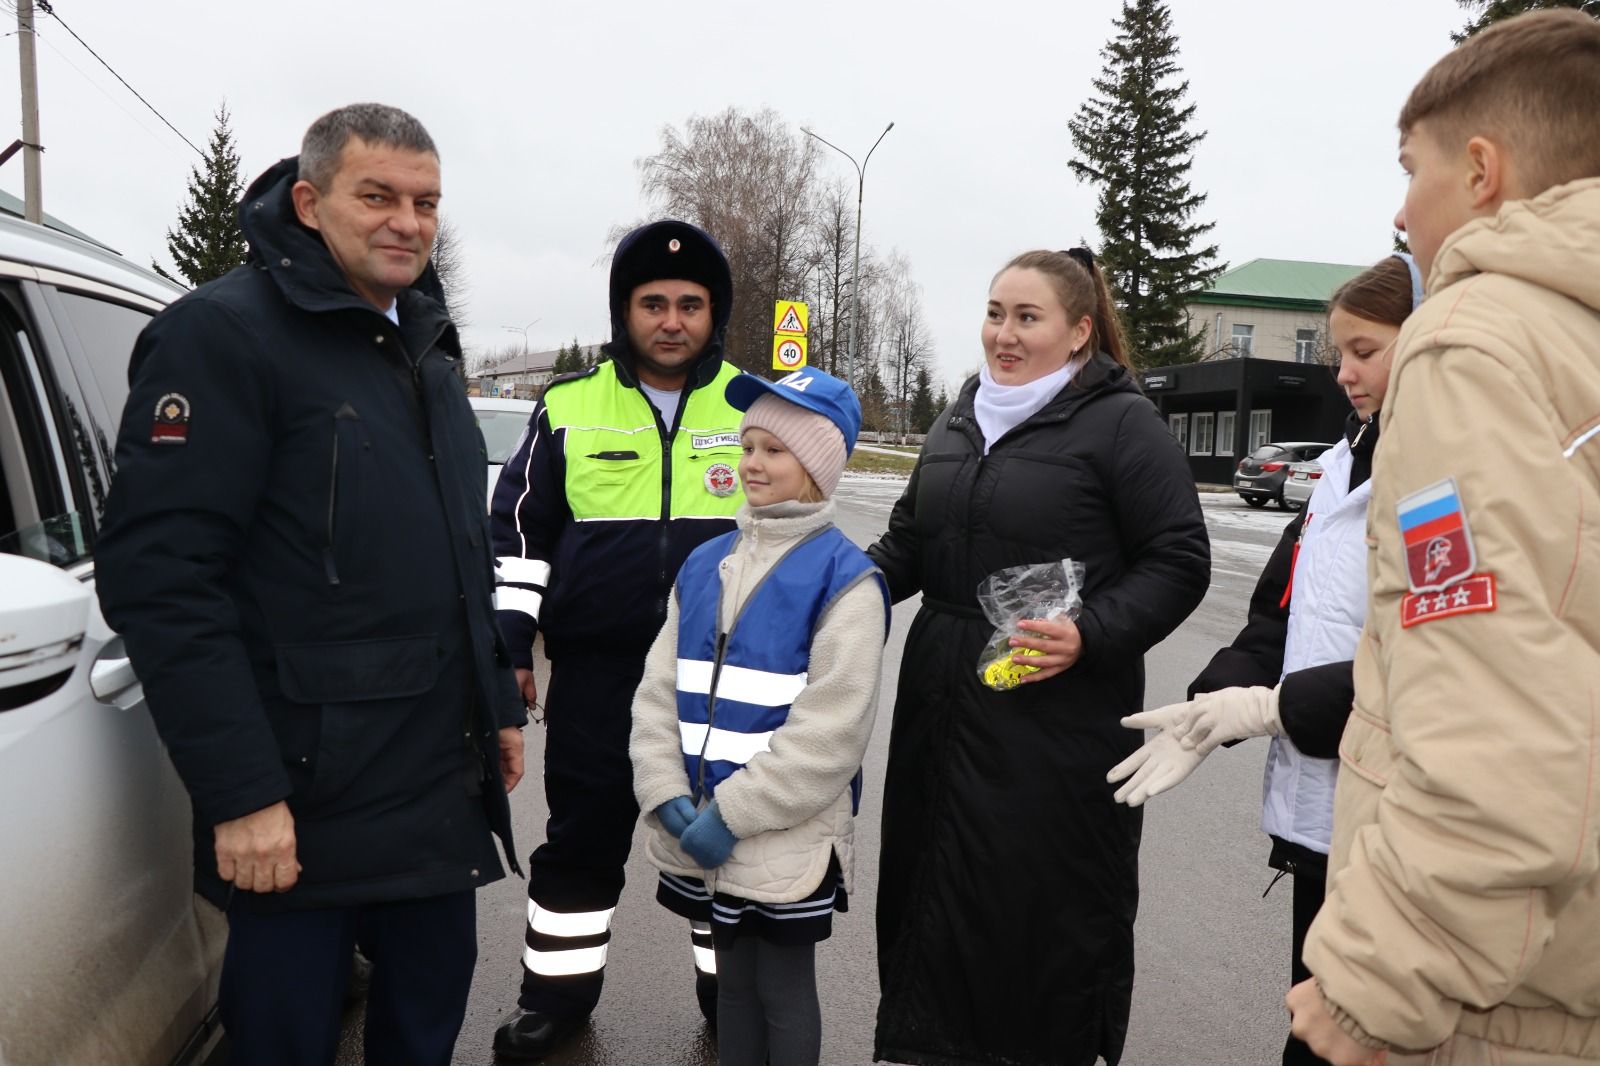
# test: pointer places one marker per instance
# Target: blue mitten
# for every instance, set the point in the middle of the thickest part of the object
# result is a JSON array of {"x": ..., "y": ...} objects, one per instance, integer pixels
[
  {"x": 675, "y": 815},
  {"x": 707, "y": 840}
]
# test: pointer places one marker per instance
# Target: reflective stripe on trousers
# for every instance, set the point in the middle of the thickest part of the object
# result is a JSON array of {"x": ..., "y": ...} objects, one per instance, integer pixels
[
  {"x": 587, "y": 932},
  {"x": 705, "y": 955}
]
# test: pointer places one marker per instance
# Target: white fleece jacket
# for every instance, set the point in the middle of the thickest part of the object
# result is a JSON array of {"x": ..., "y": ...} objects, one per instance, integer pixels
[{"x": 790, "y": 806}]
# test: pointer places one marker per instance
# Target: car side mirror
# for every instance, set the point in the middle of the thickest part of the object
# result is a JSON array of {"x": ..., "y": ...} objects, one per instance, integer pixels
[{"x": 42, "y": 623}]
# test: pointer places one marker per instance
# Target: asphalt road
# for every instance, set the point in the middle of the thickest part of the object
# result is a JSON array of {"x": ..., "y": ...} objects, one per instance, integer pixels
[{"x": 1212, "y": 953}]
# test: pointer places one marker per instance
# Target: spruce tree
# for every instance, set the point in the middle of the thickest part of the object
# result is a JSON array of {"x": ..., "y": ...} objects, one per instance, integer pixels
[
  {"x": 1486, "y": 13},
  {"x": 922, "y": 410},
  {"x": 207, "y": 242},
  {"x": 1133, "y": 142},
  {"x": 874, "y": 401}
]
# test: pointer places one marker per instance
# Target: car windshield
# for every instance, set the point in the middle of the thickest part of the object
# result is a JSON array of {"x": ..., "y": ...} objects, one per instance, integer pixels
[
  {"x": 1265, "y": 452},
  {"x": 501, "y": 431}
]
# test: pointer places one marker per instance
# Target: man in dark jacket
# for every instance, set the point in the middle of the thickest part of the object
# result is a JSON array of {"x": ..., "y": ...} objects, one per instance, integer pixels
[
  {"x": 297, "y": 556},
  {"x": 623, "y": 471}
]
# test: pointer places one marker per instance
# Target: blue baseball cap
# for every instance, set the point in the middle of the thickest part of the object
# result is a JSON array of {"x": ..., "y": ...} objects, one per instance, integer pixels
[{"x": 809, "y": 388}]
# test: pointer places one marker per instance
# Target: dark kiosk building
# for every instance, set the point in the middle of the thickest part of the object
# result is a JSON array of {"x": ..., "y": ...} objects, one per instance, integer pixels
[{"x": 1265, "y": 376}]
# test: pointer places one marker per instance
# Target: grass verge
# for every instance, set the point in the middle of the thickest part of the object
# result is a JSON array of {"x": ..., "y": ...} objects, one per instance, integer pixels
[{"x": 865, "y": 462}]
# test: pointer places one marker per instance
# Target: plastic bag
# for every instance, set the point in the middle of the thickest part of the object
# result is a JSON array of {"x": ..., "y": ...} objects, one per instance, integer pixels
[{"x": 1045, "y": 590}]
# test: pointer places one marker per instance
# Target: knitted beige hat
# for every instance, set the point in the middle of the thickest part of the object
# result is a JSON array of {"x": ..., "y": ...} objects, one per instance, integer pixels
[{"x": 813, "y": 438}]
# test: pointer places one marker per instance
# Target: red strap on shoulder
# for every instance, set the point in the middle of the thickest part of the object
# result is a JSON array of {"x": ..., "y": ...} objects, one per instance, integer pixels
[{"x": 1294, "y": 559}]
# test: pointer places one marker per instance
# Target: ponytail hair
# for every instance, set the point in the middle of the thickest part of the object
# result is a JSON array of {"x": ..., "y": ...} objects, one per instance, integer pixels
[{"x": 1081, "y": 287}]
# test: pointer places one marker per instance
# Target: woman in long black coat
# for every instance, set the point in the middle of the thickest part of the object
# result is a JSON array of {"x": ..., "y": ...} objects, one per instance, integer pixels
[{"x": 1009, "y": 876}]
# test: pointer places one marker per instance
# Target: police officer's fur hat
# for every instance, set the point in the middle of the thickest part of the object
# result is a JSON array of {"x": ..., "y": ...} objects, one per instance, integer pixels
[{"x": 671, "y": 250}]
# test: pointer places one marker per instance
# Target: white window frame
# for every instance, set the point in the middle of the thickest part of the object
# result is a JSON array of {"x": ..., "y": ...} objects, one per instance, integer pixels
[
  {"x": 1227, "y": 429},
  {"x": 1178, "y": 426},
  {"x": 1260, "y": 428},
  {"x": 1305, "y": 345},
  {"x": 1244, "y": 343},
  {"x": 1201, "y": 437}
]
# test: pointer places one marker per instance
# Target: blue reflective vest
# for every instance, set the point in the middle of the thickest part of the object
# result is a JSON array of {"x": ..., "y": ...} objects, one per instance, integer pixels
[{"x": 735, "y": 688}]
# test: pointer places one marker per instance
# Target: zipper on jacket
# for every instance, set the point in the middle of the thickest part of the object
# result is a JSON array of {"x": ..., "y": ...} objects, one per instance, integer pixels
[
  {"x": 328, "y": 566},
  {"x": 711, "y": 714},
  {"x": 422, "y": 409},
  {"x": 664, "y": 579}
]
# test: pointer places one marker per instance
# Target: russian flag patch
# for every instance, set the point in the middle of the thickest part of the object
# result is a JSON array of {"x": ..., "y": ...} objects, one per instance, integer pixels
[{"x": 1438, "y": 542}]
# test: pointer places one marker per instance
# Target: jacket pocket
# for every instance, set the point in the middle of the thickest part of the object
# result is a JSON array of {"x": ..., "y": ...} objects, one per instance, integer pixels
[
  {"x": 348, "y": 458},
  {"x": 358, "y": 693},
  {"x": 354, "y": 671},
  {"x": 614, "y": 483}
]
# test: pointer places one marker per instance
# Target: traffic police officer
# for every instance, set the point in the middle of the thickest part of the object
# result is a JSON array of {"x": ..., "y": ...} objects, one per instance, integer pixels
[
  {"x": 297, "y": 555},
  {"x": 623, "y": 470}
]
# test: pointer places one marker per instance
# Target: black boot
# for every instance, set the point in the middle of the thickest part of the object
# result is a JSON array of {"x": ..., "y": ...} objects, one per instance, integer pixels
[
  {"x": 705, "y": 990},
  {"x": 529, "y": 1034}
]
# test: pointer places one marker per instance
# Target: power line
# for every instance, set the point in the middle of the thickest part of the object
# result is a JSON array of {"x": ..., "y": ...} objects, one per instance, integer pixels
[
  {"x": 48, "y": 9},
  {"x": 101, "y": 89}
]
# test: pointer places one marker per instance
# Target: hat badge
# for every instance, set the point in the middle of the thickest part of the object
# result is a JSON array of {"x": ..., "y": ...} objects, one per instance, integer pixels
[{"x": 674, "y": 245}]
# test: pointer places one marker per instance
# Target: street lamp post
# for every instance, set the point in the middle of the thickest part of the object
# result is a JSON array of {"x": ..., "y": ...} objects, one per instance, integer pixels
[
  {"x": 855, "y": 277},
  {"x": 524, "y": 331}
]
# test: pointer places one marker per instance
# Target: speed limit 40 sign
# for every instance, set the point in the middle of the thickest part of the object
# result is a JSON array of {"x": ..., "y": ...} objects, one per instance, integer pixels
[{"x": 788, "y": 353}]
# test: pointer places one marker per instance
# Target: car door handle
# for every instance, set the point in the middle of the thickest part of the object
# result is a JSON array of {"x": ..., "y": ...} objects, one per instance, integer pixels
[{"x": 113, "y": 681}]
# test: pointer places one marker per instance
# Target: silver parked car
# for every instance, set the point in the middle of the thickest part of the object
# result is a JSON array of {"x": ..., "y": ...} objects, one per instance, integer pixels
[
  {"x": 501, "y": 420},
  {"x": 106, "y": 954},
  {"x": 1300, "y": 482}
]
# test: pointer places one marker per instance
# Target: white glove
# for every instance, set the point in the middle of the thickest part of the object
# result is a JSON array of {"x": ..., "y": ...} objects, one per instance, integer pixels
[
  {"x": 1228, "y": 714},
  {"x": 1157, "y": 766}
]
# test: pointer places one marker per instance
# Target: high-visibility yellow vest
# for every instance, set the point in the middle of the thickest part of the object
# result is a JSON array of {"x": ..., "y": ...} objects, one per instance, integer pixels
[{"x": 618, "y": 466}]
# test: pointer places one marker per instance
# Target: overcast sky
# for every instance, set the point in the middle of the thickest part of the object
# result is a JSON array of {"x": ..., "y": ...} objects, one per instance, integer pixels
[{"x": 540, "y": 111}]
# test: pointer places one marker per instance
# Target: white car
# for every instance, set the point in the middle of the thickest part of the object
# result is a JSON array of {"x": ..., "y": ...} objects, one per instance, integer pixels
[
  {"x": 502, "y": 421},
  {"x": 1298, "y": 484},
  {"x": 106, "y": 954}
]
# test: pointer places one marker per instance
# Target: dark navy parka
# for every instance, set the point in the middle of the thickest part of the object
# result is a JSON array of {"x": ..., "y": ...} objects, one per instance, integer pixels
[{"x": 304, "y": 578}]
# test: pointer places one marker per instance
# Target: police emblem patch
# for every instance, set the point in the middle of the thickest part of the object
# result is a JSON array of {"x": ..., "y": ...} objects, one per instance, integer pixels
[
  {"x": 720, "y": 479},
  {"x": 172, "y": 420},
  {"x": 1438, "y": 541}
]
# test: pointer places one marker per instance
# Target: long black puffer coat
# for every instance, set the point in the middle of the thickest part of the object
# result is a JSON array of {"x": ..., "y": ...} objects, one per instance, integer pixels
[{"x": 1009, "y": 876}]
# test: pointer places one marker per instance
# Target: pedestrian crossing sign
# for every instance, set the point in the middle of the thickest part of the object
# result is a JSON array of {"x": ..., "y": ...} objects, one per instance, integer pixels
[{"x": 791, "y": 317}]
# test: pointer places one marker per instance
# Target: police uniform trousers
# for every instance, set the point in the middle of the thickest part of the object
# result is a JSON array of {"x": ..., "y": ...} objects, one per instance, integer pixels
[
  {"x": 284, "y": 975},
  {"x": 576, "y": 876}
]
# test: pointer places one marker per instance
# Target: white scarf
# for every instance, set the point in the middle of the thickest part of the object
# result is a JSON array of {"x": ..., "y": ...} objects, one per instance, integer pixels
[{"x": 1002, "y": 408}]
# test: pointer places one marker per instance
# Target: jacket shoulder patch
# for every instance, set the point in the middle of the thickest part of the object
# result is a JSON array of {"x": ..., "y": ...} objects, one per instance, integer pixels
[
  {"x": 1437, "y": 540},
  {"x": 1470, "y": 596}
]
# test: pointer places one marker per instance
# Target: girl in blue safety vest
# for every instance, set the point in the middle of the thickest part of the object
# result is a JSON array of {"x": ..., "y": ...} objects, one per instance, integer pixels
[{"x": 754, "y": 713}]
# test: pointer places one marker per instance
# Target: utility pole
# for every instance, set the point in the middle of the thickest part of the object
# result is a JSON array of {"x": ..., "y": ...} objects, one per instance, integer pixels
[{"x": 33, "y": 209}]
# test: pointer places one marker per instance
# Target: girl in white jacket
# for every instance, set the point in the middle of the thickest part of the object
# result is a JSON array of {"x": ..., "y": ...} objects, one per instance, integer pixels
[
  {"x": 754, "y": 713},
  {"x": 1288, "y": 673}
]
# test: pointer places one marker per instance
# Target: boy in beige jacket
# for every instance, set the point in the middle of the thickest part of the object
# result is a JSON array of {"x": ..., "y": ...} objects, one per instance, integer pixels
[{"x": 1462, "y": 923}]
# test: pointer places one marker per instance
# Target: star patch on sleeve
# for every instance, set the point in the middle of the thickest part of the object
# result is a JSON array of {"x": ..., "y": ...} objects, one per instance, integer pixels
[
  {"x": 1468, "y": 596},
  {"x": 172, "y": 420}
]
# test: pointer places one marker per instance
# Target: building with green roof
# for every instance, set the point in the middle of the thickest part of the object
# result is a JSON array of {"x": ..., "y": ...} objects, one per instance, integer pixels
[
  {"x": 13, "y": 205},
  {"x": 1269, "y": 309},
  {"x": 1265, "y": 375}
]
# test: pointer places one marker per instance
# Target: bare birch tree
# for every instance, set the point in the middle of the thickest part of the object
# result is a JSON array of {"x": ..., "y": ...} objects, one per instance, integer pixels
[{"x": 747, "y": 180}]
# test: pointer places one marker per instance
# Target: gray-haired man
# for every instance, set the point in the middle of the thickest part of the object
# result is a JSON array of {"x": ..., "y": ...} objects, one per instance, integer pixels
[{"x": 296, "y": 552}]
